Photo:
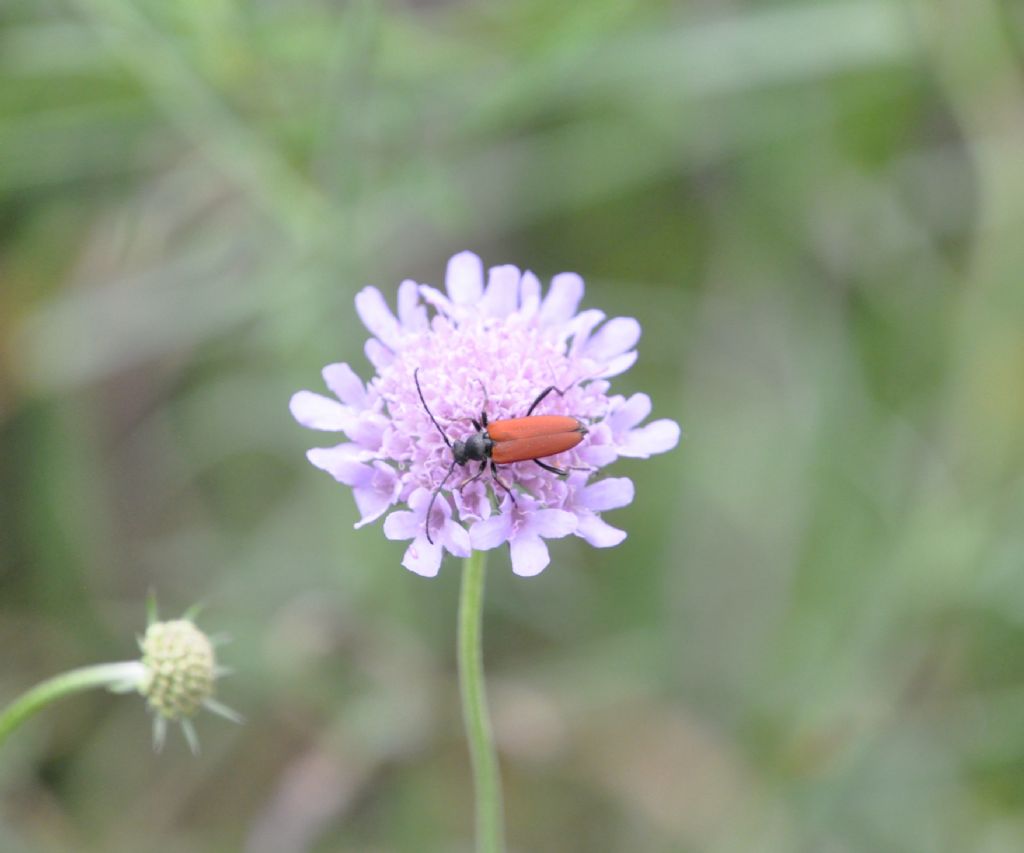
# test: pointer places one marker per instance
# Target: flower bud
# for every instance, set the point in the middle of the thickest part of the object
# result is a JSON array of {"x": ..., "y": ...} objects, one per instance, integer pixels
[{"x": 180, "y": 669}]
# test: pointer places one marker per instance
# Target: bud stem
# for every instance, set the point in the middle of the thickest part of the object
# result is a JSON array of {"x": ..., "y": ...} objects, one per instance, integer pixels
[
  {"x": 111, "y": 675},
  {"x": 486, "y": 777}
]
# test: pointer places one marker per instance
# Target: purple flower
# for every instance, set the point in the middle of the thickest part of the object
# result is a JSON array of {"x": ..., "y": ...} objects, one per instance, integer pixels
[{"x": 503, "y": 340}]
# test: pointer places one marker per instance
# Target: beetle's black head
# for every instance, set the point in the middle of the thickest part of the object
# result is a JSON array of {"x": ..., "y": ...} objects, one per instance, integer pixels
[{"x": 459, "y": 452}]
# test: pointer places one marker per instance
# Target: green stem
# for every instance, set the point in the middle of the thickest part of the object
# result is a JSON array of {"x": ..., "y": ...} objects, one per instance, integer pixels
[
  {"x": 112, "y": 675},
  {"x": 486, "y": 778}
]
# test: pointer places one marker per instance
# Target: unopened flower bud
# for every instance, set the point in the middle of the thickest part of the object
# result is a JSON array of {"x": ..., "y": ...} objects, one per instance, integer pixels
[{"x": 180, "y": 669}]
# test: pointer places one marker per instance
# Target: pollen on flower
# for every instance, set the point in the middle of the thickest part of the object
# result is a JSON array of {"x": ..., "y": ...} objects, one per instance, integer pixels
[{"x": 483, "y": 347}]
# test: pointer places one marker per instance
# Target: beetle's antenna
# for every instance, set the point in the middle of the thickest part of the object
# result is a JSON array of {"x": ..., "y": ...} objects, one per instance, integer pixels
[
  {"x": 416, "y": 378},
  {"x": 433, "y": 498},
  {"x": 484, "y": 389}
]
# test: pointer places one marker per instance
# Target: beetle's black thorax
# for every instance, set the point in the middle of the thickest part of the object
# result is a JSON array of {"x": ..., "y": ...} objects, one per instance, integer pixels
[{"x": 476, "y": 448}]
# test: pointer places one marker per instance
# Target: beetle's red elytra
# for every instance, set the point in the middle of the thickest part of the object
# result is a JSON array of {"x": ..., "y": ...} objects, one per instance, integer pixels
[{"x": 532, "y": 437}]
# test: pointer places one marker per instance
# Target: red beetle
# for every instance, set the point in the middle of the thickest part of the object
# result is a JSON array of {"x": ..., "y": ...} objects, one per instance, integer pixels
[{"x": 513, "y": 440}]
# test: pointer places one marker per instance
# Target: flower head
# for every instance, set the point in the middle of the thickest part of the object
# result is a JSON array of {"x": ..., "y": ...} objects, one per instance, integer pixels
[
  {"x": 177, "y": 676},
  {"x": 483, "y": 348}
]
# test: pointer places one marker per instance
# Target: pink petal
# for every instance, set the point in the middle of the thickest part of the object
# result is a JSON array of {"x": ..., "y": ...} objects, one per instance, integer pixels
[
  {"x": 436, "y": 299},
  {"x": 464, "y": 279},
  {"x": 581, "y": 325},
  {"x": 373, "y": 310},
  {"x": 529, "y": 555},
  {"x": 598, "y": 455},
  {"x": 403, "y": 525},
  {"x": 599, "y": 534},
  {"x": 630, "y": 413},
  {"x": 552, "y": 523},
  {"x": 411, "y": 315},
  {"x": 529, "y": 294},
  {"x": 611, "y": 493},
  {"x": 502, "y": 296},
  {"x": 380, "y": 356},
  {"x": 440, "y": 511},
  {"x": 562, "y": 299},
  {"x": 419, "y": 500},
  {"x": 614, "y": 338},
  {"x": 342, "y": 462},
  {"x": 345, "y": 385},
  {"x": 655, "y": 437},
  {"x": 598, "y": 448},
  {"x": 455, "y": 539},
  {"x": 491, "y": 532},
  {"x": 372, "y": 504},
  {"x": 317, "y": 412},
  {"x": 368, "y": 430},
  {"x": 620, "y": 364},
  {"x": 423, "y": 558},
  {"x": 473, "y": 502},
  {"x": 394, "y": 444}
]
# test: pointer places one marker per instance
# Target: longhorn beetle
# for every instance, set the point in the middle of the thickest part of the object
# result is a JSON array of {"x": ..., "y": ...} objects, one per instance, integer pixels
[{"x": 501, "y": 442}]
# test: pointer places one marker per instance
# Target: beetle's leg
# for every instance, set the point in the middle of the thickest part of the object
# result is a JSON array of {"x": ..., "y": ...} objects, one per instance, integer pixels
[
  {"x": 497, "y": 479},
  {"x": 476, "y": 476},
  {"x": 565, "y": 470},
  {"x": 483, "y": 408},
  {"x": 560, "y": 392}
]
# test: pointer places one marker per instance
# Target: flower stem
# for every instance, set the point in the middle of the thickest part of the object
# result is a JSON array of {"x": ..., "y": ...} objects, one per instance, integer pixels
[
  {"x": 486, "y": 778},
  {"x": 112, "y": 675}
]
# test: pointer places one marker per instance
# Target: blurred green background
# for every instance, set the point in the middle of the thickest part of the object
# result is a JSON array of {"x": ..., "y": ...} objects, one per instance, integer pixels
[{"x": 811, "y": 640}]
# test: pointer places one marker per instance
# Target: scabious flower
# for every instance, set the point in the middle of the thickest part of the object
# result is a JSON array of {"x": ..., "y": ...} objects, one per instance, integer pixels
[
  {"x": 177, "y": 675},
  {"x": 477, "y": 347}
]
